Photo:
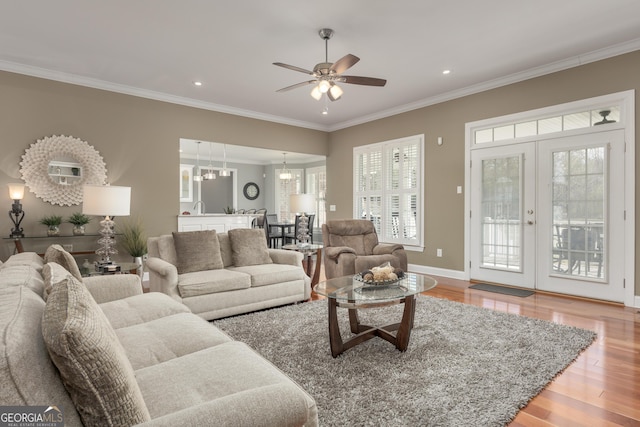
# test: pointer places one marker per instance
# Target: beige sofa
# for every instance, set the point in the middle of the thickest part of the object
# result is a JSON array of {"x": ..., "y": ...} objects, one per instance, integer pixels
[
  {"x": 223, "y": 274},
  {"x": 105, "y": 354}
]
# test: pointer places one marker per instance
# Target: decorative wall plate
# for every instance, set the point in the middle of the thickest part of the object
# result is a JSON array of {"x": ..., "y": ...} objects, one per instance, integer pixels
[{"x": 56, "y": 167}]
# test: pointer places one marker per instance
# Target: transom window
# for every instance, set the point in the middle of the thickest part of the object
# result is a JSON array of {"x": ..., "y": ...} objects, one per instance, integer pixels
[
  {"x": 541, "y": 126},
  {"x": 388, "y": 179}
]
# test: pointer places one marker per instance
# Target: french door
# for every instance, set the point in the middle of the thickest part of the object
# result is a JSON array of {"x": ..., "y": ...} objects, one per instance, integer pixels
[
  {"x": 549, "y": 215},
  {"x": 503, "y": 215}
]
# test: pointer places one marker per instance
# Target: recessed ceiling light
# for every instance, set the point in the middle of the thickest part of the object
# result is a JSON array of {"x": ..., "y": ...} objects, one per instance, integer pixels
[
  {"x": 445, "y": 72},
  {"x": 197, "y": 83}
]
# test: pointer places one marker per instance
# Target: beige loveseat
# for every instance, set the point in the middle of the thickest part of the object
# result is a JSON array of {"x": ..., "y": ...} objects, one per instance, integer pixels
[
  {"x": 104, "y": 354},
  {"x": 223, "y": 274}
]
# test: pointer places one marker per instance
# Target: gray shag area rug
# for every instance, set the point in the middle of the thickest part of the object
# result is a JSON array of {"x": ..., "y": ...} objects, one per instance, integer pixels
[{"x": 465, "y": 365}]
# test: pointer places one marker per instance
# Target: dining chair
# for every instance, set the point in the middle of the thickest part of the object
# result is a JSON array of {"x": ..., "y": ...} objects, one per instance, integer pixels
[
  {"x": 577, "y": 245},
  {"x": 272, "y": 234},
  {"x": 259, "y": 221}
]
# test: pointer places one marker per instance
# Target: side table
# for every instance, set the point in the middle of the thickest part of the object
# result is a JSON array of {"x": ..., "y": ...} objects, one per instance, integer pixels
[
  {"x": 307, "y": 262},
  {"x": 125, "y": 268}
]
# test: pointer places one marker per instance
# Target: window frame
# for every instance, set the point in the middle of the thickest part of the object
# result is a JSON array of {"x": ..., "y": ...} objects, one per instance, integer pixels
[{"x": 384, "y": 192}]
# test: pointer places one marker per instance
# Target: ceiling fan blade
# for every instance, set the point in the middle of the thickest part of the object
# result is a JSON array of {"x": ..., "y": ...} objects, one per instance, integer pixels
[
  {"x": 344, "y": 63},
  {"x": 297, "y": 85},
  {"x": 293, "y": 67},
  {"x": 367, "y": 81}
]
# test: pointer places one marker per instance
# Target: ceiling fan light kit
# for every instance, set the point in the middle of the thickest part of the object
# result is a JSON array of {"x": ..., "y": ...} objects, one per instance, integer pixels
[{"x": 326, "y": 74}]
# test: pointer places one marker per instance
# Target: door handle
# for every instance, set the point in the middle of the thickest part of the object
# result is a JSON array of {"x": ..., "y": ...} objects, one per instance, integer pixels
[{"x": 530, "y": 222}]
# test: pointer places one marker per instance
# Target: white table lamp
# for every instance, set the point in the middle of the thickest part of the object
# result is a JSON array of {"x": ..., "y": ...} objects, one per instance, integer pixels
[
  {"x": 108, "y": 201},
  {"x": 302, "y": 204}
]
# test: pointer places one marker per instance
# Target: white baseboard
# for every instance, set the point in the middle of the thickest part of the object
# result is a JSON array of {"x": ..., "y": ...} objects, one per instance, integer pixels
[{"x": 452, "y": 274}]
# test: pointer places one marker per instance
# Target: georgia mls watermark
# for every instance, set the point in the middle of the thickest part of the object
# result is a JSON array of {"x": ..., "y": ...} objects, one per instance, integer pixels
[{"x": 31, "y": 416}]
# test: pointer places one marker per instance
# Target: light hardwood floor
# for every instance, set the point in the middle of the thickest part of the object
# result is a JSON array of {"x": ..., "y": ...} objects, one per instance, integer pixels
[{"x": 602, "y": 387}]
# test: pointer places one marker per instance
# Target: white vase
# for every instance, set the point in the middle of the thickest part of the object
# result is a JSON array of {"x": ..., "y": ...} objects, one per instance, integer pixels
[
  {"x": 140, "y": 269},
  {"x": 53, "y": 231}
]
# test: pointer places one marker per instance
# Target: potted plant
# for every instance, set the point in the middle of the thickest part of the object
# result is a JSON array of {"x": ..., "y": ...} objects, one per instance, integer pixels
[
  {"x": 133, "y": 240},
  {"x": 53, "y": 222},
  {"x": 79, "y": 220}
]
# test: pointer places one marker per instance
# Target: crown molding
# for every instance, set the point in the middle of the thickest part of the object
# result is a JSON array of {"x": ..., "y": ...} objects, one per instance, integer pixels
[
  {"x": 553, "y": 67},
  {"x": 149, "y": 94},
  {"x": 575, "y": 61}
]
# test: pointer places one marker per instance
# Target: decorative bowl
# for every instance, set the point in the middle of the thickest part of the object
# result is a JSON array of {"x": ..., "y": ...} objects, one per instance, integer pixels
[{"x": 359, "y": 278}]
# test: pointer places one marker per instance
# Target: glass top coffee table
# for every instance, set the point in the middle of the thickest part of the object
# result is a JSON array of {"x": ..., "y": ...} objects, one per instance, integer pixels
[{"x": 352, "y": 294}]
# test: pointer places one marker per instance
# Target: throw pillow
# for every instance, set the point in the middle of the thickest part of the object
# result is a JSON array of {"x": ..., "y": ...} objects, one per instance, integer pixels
[
  {"x": 92, "y": 362},
  {"x": 55, "y": 253},
  {"x": 52, "y": 273},
  {"x": 249, "y": 247},
  {"x": 197, "y": 251}
]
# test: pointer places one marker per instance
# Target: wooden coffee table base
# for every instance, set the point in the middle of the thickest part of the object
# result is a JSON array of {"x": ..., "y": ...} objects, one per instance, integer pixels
[{"x": 365, "y": 332}]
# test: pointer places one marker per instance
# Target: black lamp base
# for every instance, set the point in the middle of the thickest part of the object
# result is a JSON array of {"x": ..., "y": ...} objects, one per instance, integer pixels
[{"x": 16, "y": 214}]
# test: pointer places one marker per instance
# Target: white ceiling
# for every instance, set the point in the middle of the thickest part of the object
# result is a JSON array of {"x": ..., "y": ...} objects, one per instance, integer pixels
[{"x": 157, "y": 49}]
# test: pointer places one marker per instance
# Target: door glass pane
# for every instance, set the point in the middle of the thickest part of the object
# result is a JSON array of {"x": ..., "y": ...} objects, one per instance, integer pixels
[
  {"x": 578, "y": 226},
  {"x": 501, "y": 220}
]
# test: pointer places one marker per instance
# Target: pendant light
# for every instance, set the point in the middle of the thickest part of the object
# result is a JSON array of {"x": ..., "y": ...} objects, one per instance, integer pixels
[
  {"x": 225, "y": 171},
  {"x": 210, "y": 174},
  {"x": 285, "y": 173},
  {"x": 197, "y": 177}
]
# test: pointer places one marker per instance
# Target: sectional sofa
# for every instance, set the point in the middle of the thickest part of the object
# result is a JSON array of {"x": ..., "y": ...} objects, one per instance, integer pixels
[{"x": 102, "y": 353}]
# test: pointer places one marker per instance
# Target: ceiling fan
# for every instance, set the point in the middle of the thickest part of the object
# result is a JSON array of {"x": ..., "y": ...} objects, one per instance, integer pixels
[{"x": 327, "y": 75}]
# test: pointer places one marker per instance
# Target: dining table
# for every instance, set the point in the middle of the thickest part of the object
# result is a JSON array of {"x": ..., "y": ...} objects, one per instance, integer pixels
[{"x": 284, "y": 227}]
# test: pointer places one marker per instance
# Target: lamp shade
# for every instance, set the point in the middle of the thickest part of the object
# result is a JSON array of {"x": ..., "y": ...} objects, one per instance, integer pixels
[
  {"x": 315, "y": 93},
  {"x": 285, "y": 174},
  {"x": 106, "y": 200},
  {"x": 302, "y": 203},
  {"x": 336, "y": 92},
  {"x": 16, "y": 190}
]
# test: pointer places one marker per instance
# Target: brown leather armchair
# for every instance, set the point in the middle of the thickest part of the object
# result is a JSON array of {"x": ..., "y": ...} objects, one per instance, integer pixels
[{"x": 351, "y": 246}]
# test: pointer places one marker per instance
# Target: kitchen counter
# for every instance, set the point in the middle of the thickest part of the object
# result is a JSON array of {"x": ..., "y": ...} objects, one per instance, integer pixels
[{"x": 219, "y": 222}]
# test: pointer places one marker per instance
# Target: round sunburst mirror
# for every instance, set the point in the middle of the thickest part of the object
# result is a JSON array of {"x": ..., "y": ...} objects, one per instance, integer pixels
[{"x": 56, "y": 167}]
